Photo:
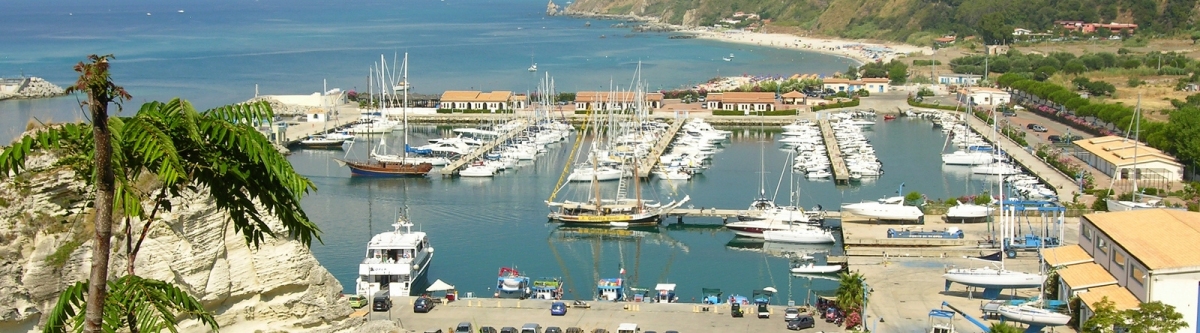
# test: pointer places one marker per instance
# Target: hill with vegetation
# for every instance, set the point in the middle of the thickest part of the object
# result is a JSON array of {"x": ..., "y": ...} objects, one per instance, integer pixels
[{"x": 911, "y": 21}]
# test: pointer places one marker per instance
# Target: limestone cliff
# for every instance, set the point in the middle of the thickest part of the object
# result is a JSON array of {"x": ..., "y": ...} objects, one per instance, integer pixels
[{"x": 276, "y": 287}]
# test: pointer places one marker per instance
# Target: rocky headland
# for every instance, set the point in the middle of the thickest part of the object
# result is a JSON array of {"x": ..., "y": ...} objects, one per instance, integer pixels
[
  {"x": 29, "y": 87},
  {"x": 45, "y": 246}
]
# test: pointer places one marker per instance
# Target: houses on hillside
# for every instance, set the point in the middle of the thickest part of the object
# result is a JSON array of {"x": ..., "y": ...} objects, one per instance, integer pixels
[{"x": 871, "y": 84}]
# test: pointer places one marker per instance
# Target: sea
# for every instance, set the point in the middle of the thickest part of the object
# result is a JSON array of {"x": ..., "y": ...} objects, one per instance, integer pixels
[{"x": 220, "y": 52}]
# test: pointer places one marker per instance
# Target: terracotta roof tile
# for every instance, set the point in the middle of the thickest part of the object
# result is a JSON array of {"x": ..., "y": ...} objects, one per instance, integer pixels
[
  {"x": 1066, "y": 255},
  {"x": 1159, "y": 238},
  {"x": 1086, "y": 276},
  {"x": 1121, "y": 297}
]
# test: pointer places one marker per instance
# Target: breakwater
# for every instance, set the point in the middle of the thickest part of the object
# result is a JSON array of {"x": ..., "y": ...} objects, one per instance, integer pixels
[{"x": 28, "y": 87}]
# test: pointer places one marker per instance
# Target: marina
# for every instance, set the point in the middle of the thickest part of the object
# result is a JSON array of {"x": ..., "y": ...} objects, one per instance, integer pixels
[{"x": 841, "y": 174}]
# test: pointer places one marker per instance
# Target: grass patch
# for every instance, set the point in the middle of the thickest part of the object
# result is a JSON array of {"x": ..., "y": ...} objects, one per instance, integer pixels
[{"x": 62, "y": 253}]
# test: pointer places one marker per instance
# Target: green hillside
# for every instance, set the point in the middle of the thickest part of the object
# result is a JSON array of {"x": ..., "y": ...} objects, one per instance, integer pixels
[{"x": 914, "y": 21}]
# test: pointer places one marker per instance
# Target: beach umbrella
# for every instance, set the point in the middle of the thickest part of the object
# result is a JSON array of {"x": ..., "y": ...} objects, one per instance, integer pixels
[{"x": 439, "y": 286}]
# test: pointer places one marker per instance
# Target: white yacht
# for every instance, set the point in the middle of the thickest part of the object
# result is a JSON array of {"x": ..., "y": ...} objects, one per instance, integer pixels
[
  {"x": 960, "y": 157},
  {"x": 1033, "y": 315},
  {"x": 394, "y": 261},
  {"x": 997, "y": 168},
  {"x": 885, "y": 209},
  {"x": 989, "y": 277},
  {"x": 968, "y": 212},
  {"x": 588, "y": 173},
  {"x": 800, "y": 234}
]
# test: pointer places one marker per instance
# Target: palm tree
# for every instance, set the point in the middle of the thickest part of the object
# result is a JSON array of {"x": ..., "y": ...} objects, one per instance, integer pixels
[
  {"x": 170, "y": 145},
  {"x": 1004, "y": 328},
  {"x": 850, "y": 292}
]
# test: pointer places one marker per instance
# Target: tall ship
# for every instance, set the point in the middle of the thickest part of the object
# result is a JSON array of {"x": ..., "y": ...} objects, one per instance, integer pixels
[
  {"x": 374, "y": 167},
  {"x": 395, "y": 261}
]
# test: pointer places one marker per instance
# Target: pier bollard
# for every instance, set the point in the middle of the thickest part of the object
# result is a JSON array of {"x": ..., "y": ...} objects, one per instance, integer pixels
[
  {"x": 497, "y": 303},
  {"x": 518, "y": 304}
]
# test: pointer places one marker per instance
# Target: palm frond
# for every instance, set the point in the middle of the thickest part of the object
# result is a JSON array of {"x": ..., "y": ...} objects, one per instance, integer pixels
[
  {"x": 246, "y": 113},
  {"x": 154, "y": 306}
]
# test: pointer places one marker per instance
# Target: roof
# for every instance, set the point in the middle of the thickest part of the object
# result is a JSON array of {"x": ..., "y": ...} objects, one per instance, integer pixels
[
  {"x": 317, "y": 111},
  {"x": 835, "y": 81},
  {"x": 1159, "y": 238},
  {"x": 1086, "y": 276},
  {"x": 453, "y": 95},
  {"x": 476, "y": 96},
  {"x": 961, "y": 75},
  {"x": 603, "y": 96},
  {"x": 495, "y": 96},
  {"x": 665, "y": 286},
  {"x": 1120, "y": 151},
  {"x": 1122, "y": 299},
  {"x": 876, "y": 80},
  {"x": 748, "y": 97},
  {"x": 1065, "y": 255},
  {"x": 793, "y": 94}
]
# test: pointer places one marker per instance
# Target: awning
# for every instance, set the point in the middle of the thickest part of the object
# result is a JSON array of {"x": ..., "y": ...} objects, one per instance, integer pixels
[
  {"x": 439, "y": 286},
  {"x": 665, "y": 286}
]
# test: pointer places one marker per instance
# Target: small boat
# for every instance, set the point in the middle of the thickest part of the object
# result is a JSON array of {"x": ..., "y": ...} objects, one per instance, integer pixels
[
  {"x": 1032, "y": 315},
  {"x": 711, "y": 296},
  {"x": 889, "y": 117},
  {"x": 533, "y": 68},
  {"x": 511, "y": 284},
  {"x": 478, "y": 169},
  {"x": 726, "y": 59},
  {"x": 813, "y": 268},
  {"x": 966, "y": 212},
  {"x": 731, "y": 55},
  {"x": 665, "y": 293},
  {"x": 547, "y": 288},
  {"x": 610, "y": 289},
  {"x": 321, "y": 142}
]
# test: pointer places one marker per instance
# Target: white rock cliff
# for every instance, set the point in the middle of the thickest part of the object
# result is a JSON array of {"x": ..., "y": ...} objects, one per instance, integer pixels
[{"x": 279, "y": 286}]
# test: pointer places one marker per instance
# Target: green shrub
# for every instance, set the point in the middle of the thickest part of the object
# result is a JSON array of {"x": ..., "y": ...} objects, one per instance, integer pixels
[
  {"x": 913, "y": 102},
  {"x": 850, "y": 103}
]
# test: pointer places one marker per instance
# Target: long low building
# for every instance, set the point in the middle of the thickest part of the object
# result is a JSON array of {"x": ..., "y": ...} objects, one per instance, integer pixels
[
  {"x": 478, "y": 100},
  {"x": 1121, "y": 158},
  {"x": 870, "y": 84},
  {"x": 609, "y": 101},
  {"x": 746, "y": 102},
  {"x": 1130, "y": 258}
]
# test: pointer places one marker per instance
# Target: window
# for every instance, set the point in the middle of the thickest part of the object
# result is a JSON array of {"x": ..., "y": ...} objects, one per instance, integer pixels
[
  {"x": 1119, "y": 259},
  {"x": 1087, "y": 233},
  {"x": 1102, "y": 246},
  {"x": 1138, "y": 275}
]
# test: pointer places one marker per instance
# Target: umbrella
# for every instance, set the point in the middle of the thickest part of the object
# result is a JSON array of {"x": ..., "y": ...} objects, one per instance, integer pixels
[{"x": 439, "y": 286}]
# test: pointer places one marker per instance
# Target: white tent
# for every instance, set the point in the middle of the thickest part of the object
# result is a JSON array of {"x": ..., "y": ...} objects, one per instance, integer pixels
[{"x": 439, "y": 286}]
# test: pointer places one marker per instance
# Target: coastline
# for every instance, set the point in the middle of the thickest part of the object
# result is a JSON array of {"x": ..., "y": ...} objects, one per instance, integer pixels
[{"x": 860, "y": 51}]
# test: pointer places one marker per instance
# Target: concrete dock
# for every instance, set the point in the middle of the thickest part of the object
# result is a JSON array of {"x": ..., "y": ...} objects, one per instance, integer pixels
[
  {"x": 452, "y": 168},
  {"x": 665, "y": 140},
  {"x": 660, "y": 317},
  {"x": 841, "y": 175},
  {"x": 1063, "y": 185},
  {"x": 347, "y": 114}
]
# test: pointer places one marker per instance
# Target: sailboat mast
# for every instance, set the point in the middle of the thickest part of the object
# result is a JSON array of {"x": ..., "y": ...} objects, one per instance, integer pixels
[
  {"x": 595, "y": 182},
  {"x": 1137, "y": 121},
  {"x": 404, "y": 108},
  {"x": 637, "y": 188}
]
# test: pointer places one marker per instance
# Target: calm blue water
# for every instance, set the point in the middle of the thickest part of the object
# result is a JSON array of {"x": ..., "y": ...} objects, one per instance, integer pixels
[
  {"x": 478, "y": 225},
  {"x": 217, "y": 51}
]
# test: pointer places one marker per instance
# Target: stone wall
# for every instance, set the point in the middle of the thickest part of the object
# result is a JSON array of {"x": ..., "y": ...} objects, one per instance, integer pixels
[{"x": 279, "y": 286}]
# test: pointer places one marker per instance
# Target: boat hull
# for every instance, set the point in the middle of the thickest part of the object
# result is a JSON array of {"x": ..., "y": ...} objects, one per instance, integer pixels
[
  {"x": 616, "y": 220},
  {"x": 885, "y": 211},
  {"x": 1033, "y": 316},
  {"x": 816, "y": 269},
  {"x": 385, "y": 169},
  {"x": 990, "y": 278},
  {"x": 798, "y": 237}
]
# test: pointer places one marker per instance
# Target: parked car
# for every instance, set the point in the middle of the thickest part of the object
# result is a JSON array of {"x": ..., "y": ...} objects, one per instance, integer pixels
[
  {"x": 423, "y": 304},
  {"x": 509, "y": 329},
  {"x": 357, "y": 301},
  {"x": 790, "y": 314},
  {"x": 381, "y": 301},
  {"x": 558, "y": 309},
  {"x": 764, "y": 310},
  {"x": 487, "y": 329},
  {"x": 553, "y": 329},
  {"x": 801, "y": 322},
  {"x": 463, "y": 327},
  {"x": 1036, "y": 127},
  {"x": 531, "y": 328}
]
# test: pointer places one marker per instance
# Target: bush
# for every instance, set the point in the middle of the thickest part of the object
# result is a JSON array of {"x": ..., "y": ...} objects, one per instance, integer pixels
[
  {"x": 850, "y": 103},
  {"x": 913, "y": 102},
  {"x": 924, "y": 91},
  {"x": 926, "y": 62},
  {"x": 1134, "y": 82},
  {"x": 863, "y": 93},
  {"x": 842, "y": 94}
]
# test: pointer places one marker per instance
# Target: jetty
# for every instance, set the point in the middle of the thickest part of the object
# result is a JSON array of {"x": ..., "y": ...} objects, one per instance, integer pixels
[
  {"x": 841, "y": 175},
  {"x": 294, "y": 132},
  {"x": 452, "y": 168},
  {"x": 1062, "y": 184},
  {"x": 652, "y": 159},
  {"x": 723, "y": 213}
]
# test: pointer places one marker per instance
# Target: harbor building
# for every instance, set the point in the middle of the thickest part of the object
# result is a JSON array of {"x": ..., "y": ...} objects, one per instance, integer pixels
[
  {"x": 960, "y": 79},
  {"x": 871, "y": 84},
  {"x": 317, "y": 115},
  {"x": 983, "y": 96},
  {"x": 1133, "y": 257},
  {"x": 741, "y": 101},
  {"x": 478, "y": 100},
  {"x": 794, "y": 97},
  {"x": 606, "y": 101},
  {"x": 1120, "y": 158}
]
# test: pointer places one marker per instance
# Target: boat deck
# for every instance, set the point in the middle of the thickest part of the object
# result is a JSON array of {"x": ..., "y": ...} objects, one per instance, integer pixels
[
  {"x": 651, "y": 159},
  {"x": 452, "y": 168}
]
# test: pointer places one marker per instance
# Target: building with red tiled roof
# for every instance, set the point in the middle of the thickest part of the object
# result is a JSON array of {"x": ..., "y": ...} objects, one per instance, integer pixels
[
  {"x": 478, "y": 100},
  {"x": 741, "y": 101},
  {"x": 604, "y": 100}
]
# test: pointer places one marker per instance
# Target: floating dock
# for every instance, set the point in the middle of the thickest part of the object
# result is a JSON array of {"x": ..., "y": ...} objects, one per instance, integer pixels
[
  {"x": 297, "y": 132},
  {"x": 651, "y": 159},
  {"x": 452, "y": 168},
  {"x": 841, "y": 175}
]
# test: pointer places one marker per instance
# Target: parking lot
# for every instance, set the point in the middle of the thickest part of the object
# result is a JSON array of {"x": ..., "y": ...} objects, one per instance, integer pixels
[{"x": 657, "y": 317}]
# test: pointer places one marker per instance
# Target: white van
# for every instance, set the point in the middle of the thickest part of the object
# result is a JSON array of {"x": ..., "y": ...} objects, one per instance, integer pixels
[
  {"x": 531, "y": 328},
  {"x": 628, "y": 328}
]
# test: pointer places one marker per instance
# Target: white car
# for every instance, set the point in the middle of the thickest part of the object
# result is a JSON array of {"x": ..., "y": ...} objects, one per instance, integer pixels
[{"x": 790, "y": 314}]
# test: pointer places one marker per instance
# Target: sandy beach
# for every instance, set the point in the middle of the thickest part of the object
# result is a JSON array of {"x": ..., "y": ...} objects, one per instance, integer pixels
[{"x": 859, "y": 51}]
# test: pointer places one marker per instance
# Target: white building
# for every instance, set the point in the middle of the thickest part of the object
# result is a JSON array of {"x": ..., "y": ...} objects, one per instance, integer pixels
[
  {"x": 1135, "y": 257},
  {"x": 1119, "y": 158},
  {"x": 317, "y": 115},
  {"x": 983, "y": 96},
  {"x": 746, "y": 102},
  {"x": 478, "y": 100},
  {"x": 610, "y": 101},
  {"x": 960, "y": 79}
]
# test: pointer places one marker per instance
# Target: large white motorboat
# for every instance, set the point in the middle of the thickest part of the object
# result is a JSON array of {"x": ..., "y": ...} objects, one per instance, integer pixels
[
  {"x": 394, "y": 261},
  {"x": 892, "y": 209},
  {"x": 1029, "y": 314},
  {"x": 800, "y": 234},
  {"x": 968, "y": 212},
  {"x": 599, "y": 173},
  {"x": 755, "y": 228},
  {"x": 997, "y": 168},
  {"x": 960, "y": 157},
  {"x": 808, "y": 266}
]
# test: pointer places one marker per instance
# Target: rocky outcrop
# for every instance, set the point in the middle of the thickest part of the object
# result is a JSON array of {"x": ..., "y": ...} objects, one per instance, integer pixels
[
  {"x": 30, "y": 87},
  {"x": 44, "y": 247},
  {"x": 552, "y": 9},
  {"x": 283, "y": 109}
]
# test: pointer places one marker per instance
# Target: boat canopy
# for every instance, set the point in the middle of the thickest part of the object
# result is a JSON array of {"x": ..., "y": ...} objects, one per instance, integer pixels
[
  {"x": 609, "y": 283},
  {"x": 546, "y": 284},
  {"x": 665, "y": 286},
  {"x": 941, "y": 314}
]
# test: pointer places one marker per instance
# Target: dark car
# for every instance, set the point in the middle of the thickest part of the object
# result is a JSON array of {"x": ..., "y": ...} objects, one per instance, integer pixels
[
  {"x": 735, "y": 309},
  {"x": 553, "y": 329},
  {"x": 463, "y": 327},
  {"x": 423, "y": 304},
  {"x": 509, "y": 329},
  {"x": 381, "y": 301},
  {"x": 801, "y": 322},
  {"x": 558, "y": 309},
  {"x": 1054, "y": 139},
  {"x": 487, "y": 329}
]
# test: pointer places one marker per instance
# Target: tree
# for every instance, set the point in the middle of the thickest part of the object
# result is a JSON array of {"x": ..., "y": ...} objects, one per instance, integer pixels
[
  {"x": 993, "y": 29},
  {"x": 897, "y": 72},
  {"x": 1043, "y": 73},
  {"x": 851, "y": 291},
  {"x": 170, "y": 145},
  {"x": 1195, "y": 36},
  {"x": 852, "y": 73},
  {"x": 1004, "y": 328},
  {"x": 1183, "y": 131},
  {"x": 1074, "y": 67},
  {"x": 1104, "y": 316},
  {"x": 1154, "y": 317}
]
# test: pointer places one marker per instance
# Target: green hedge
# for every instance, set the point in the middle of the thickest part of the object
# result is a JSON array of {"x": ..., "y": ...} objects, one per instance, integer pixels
[
  {"x": 472, "y": 111},
  {"x": 758, "y": 113},
  {"x": 850, "y": 103},
  {"x": 913, "y": 102}
]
